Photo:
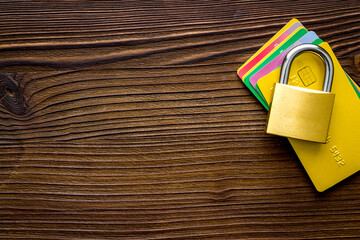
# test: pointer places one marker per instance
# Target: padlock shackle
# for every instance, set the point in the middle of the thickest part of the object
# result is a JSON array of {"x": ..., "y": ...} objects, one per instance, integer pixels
[{"x": 290, "y": 56}]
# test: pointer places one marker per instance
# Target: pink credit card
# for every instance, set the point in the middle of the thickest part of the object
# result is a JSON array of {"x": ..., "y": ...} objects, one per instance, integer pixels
[{"x": 269, "y": 48}]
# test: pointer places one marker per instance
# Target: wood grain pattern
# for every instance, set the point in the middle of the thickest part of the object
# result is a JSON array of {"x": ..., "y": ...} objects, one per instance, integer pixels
[{"x": 126, "y": 120}]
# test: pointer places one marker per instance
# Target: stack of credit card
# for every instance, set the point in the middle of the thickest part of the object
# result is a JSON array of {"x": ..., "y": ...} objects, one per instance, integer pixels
[{"x": 326, "y": 164}]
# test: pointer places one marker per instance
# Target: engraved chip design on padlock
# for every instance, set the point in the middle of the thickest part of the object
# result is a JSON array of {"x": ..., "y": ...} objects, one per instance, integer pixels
[{"x": 298, "y": 112}]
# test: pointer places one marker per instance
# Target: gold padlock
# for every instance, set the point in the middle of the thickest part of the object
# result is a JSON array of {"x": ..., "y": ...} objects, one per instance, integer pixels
[{"x": 302, "y": 113}]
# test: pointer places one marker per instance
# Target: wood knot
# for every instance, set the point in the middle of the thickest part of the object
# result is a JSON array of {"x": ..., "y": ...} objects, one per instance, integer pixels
[
  {"x": 10, "y": 95},
  {"x": 357, "y": 62}
]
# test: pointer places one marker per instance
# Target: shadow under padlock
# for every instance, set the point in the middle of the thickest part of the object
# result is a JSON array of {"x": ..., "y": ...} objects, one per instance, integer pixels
[{"x": 298, "y": 112}]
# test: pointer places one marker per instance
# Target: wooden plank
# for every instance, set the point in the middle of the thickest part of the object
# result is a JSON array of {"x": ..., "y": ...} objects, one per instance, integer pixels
[{"x": 126, "y": 120}]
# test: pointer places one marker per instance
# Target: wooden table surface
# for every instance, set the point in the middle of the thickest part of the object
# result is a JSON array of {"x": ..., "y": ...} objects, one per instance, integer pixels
[{"x": 126, "y": 120}]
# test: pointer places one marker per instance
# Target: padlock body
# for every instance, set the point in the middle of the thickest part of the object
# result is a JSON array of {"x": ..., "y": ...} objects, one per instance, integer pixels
[{"x": 300, "y": 113}]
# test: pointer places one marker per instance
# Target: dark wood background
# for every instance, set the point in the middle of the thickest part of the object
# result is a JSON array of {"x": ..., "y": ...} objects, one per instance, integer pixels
[{"x": 126, "y": 120}]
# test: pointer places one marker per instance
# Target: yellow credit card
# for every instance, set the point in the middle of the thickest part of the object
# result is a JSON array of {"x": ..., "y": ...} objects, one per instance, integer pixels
[
  {"x": 273, "y": 50},
  {"x": 292, "y": 26},
  {"x": 326, "y": 164},
  {"x": 301, "y": 75}
]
